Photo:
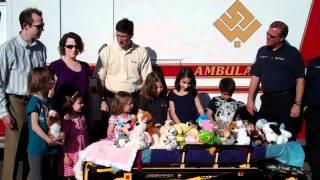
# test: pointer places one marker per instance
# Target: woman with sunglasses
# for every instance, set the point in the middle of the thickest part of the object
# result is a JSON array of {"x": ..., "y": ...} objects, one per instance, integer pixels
[{"x": 70, "y": 73}]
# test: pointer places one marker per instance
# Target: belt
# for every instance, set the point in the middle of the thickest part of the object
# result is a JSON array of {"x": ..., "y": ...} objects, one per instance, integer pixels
[
  {"x": 22, "y": 97},
  {"x": 110, "y": 94},
  {"x": 278, "y": 92}
]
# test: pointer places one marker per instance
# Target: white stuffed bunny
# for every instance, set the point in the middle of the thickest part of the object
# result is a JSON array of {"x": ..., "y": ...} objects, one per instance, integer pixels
[{"x": 139, "y": 138}]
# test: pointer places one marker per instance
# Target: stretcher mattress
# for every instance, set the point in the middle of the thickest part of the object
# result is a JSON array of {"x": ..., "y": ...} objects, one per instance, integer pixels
[{"x": 201, "y": 155}]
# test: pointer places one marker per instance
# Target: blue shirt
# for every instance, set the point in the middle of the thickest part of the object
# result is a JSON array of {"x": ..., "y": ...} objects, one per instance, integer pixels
[
  {"x": 278, "y": 70},
  {"x": 37, "y": 145},
  {"x": 312, "y": 92}
]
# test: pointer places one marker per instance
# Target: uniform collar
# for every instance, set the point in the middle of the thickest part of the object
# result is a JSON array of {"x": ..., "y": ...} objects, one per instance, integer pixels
[
  {"x": 132, "y": 47},
  {"x": 284, "y": 45}
]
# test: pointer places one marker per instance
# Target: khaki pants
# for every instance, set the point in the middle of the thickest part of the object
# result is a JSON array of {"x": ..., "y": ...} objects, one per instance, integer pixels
[{"x": 15, "y": 144}]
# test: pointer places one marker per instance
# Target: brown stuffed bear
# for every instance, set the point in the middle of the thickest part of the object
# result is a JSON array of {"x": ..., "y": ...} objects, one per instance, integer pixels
[{"x": 145, "y": 115}]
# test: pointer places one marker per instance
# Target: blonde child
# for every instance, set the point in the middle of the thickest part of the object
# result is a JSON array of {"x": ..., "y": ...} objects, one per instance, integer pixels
[
  {"x": 74, "y": 126},
  {"x": 120, "y": 119},
  {"x": 184, "y": 102},
  {"x": 153, "y": 98},
  {"x": 42, "y": 149}
]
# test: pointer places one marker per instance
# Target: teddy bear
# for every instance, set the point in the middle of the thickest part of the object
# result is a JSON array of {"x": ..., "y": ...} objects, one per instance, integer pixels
[
  {"x": 169, "y": 141},
  {"x": 139, "y": 138},
  {"x": 54, "y": 125},
  {"x": 153, "y": 131},
  {"x": 167, "y": 125},
  {"x": 164, "y": 133},
  {"x": 257, "y": 138},
  {"x": 184, "y": 130},
  {"x": 192, "y": 135},
  {"x": 121, "y": 139},
  {"x": 227, "y": 138}
]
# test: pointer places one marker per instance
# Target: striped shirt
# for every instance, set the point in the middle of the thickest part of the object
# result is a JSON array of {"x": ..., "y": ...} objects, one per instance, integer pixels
[{"x": 17, "y": 58}]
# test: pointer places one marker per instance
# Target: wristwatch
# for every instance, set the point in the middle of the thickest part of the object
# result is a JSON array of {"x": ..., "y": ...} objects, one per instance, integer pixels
[{"x": 298, "y": 103}]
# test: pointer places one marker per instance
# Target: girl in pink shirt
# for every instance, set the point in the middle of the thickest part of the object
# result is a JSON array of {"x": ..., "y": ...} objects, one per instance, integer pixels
[
  {"x": 75, "y": 129},
  {"x": 120, "y": 120}
]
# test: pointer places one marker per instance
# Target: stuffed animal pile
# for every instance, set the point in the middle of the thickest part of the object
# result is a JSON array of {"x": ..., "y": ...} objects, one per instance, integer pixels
[{"x": 172, "y": 136}]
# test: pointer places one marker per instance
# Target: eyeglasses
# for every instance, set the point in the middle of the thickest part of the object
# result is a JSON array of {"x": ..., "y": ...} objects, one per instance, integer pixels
[
  {"x": 39, "y": 26},
  {"x": 71, "y": 46},
  {"x": 271, "y": 36}
]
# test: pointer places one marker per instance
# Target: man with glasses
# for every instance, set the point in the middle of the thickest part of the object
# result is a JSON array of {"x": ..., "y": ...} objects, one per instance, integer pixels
[
  {"x": 122, "y": 66},
  {"x": 17, "y": 57},
  {"x": 279, "y": 67}
]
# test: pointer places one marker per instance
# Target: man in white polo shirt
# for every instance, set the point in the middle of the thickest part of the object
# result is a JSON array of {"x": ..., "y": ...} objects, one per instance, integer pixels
[{"x": 122, "y": 66}]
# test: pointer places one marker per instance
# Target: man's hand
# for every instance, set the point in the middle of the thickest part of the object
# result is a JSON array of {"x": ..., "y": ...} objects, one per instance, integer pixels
[
  {"x": 8, "y": 122},
  {"x": 251, "y": 107},
  {"x": 295, "y": 111},
  {"x": 104, "y": 106}
]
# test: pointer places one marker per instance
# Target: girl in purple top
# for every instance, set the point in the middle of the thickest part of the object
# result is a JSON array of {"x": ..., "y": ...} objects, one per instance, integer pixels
[{"x": 70, "y": 73}]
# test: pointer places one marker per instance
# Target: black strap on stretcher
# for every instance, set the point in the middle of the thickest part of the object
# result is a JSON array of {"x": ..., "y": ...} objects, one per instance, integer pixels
[{"x": 217, "y": 150}]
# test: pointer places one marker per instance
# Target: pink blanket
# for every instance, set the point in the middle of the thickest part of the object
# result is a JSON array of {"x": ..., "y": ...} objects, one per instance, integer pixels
[{"x": 105, "y": 153}]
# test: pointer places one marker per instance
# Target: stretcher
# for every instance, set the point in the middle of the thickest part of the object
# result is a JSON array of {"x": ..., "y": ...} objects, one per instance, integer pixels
[{"x": 191, "y": 162}]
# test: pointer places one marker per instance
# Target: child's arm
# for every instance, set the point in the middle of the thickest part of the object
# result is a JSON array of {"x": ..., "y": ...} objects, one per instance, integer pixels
[
  {"x": 110, "y": 130},
  {"x": 210, "y": 113},
  {"x": 168, "y": 114},
  {"x": 37, "y": 129},
  {"x": 67, "y": 160},
  {"x": 173, "y": 112},
  {"x": 198, "y": 105}
]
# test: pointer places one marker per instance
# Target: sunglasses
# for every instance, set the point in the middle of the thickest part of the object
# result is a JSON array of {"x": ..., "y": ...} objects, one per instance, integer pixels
[
  {"x": 52, "y": 81},
  {"x": 72, "y": 46},
  {"x": 39, "y": 26}
]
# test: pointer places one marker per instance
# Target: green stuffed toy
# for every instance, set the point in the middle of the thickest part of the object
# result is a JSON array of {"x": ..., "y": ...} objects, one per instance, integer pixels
[{"x": 207, "y": 137}]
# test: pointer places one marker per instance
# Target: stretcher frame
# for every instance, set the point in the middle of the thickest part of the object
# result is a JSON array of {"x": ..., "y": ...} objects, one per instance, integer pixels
[{"x": 183, "y": 170}]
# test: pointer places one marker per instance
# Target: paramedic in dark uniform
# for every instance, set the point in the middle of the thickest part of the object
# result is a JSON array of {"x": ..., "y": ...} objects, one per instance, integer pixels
[
  {"x": 280, "y": 69},
  {"x": 312, "y": 114}
]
